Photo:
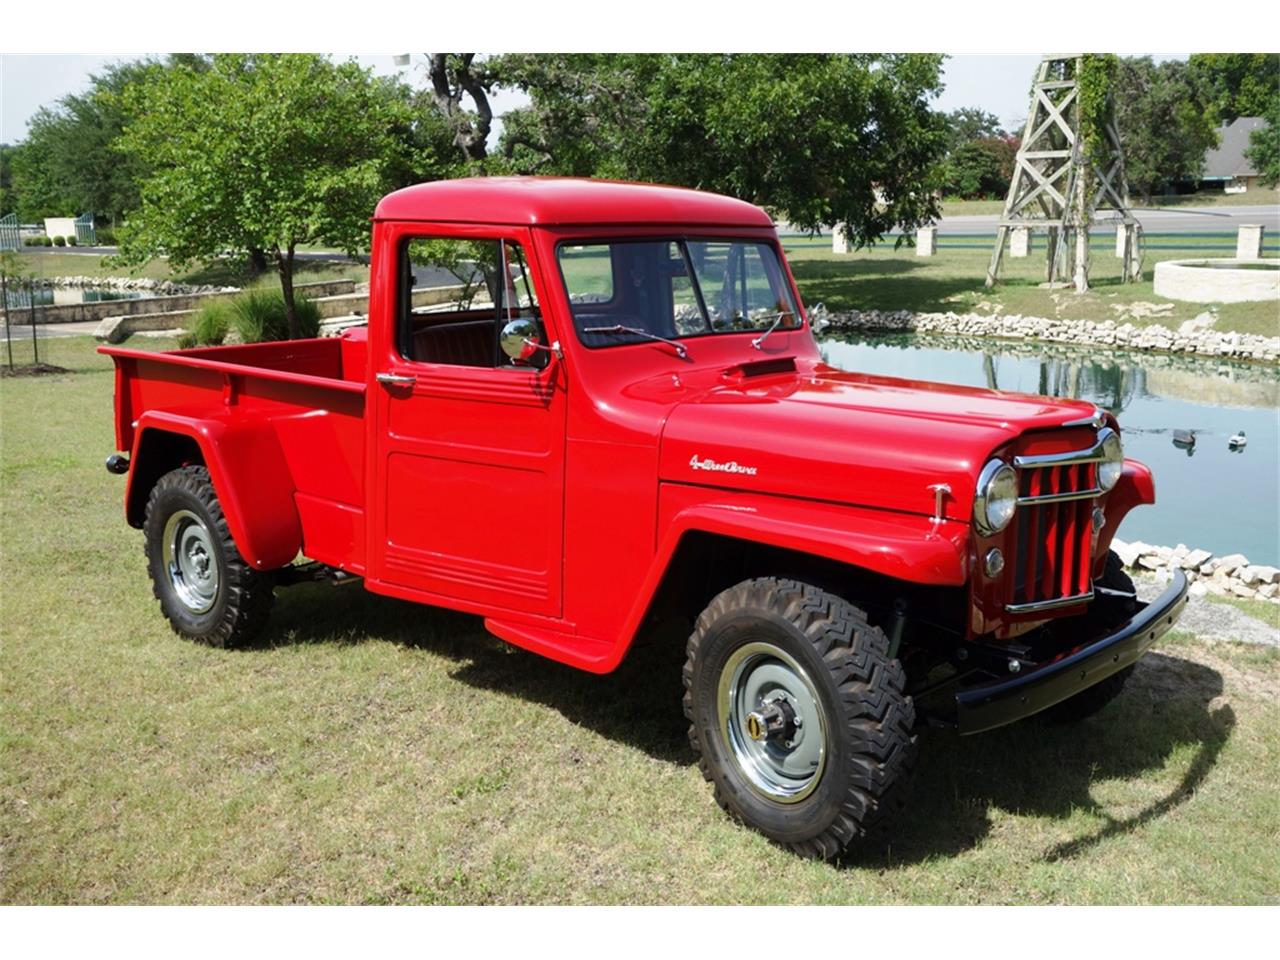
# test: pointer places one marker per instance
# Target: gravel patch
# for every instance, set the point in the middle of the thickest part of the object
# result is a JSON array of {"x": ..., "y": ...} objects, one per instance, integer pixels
[{"x": 1216, "y": 622}]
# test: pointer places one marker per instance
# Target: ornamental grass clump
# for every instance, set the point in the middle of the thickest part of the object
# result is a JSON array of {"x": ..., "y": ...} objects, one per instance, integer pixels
[
  {"x": 259, "y": 315},
  {"x": 212, "y": 323}
]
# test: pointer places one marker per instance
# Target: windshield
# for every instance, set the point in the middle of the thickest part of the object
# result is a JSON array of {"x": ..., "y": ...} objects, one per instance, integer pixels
[{"x": 629, "y": 291}]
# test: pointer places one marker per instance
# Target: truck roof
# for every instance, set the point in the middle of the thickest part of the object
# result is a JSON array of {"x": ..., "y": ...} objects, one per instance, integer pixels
[{"x": 547, "y": 201}]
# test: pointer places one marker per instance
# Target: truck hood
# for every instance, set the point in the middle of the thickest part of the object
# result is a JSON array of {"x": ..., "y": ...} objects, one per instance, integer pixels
[{"x": 825, "y": 434}]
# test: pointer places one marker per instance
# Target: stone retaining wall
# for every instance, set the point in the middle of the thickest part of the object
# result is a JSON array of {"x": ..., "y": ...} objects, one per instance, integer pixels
[
  {"x": 1228, "y": 576},
  {"x": 1192, "y": 342},
  {"x": 192, "y": 298}
]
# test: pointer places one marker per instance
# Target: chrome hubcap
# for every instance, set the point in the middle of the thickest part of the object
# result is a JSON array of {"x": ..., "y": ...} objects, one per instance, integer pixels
[
  {"x": 769, "y": 714},
  {"x": 190, "y": 561}
]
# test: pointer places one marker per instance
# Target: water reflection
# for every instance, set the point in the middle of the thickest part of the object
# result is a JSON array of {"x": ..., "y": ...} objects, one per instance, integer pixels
[
  {"x": 1209, "y": 494},
  {"x": 21, "y": 296}
]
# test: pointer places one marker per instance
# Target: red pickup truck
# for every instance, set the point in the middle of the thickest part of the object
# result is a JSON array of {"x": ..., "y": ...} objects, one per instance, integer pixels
[{"x": 582, "y": 408}]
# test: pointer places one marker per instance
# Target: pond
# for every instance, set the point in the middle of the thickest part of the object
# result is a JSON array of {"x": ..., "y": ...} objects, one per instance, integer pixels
[
  {"x": 1209, "y": 496},
  {"x": 58, "y": 296}
]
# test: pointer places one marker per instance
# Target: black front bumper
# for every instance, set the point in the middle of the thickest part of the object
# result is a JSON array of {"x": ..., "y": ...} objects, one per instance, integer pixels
[{"x": 1004, "y": 701}]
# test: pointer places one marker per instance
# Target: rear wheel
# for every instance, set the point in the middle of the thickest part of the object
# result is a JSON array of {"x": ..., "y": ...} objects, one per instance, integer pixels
[
  {"x": 798, "y": 714},
  {"x": 206, "y": 589}
]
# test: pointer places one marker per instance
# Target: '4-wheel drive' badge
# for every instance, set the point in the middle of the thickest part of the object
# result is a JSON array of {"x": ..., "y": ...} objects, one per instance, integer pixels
[{"x": 733, "y": 466}]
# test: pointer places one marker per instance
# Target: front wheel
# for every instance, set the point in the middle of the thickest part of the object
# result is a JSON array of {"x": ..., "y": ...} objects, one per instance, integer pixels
[
  {"x": 798, "y": 714},
  {"x": 207, "y": 591}
]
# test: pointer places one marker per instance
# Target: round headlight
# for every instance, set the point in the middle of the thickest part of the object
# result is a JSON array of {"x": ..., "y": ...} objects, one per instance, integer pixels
[
  {"x": 1112, "y": 461},
  {"x": 997, "y": 497}
]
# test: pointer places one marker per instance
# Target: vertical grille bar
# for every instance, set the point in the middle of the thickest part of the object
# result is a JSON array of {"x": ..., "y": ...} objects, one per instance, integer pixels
[
  {"x": 1053, "y": 540},
  {"x": 1034, "y": 544},
  {"x": 1048, "y": 540}
]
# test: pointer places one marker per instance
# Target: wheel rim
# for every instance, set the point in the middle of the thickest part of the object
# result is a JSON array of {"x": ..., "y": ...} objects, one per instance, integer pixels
[
  {"x": 773, "y": 722},
  {"x": 191, "y": 562}
]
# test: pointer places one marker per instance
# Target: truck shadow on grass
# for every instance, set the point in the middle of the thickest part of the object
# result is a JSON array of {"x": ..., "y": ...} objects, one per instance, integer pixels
[{"x": 1030, "y": 768}]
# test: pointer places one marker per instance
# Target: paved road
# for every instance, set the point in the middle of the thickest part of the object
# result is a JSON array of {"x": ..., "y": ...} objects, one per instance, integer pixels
[
  {"x": 22, "y": 331},
  {"x": 1173, "y": 220}
]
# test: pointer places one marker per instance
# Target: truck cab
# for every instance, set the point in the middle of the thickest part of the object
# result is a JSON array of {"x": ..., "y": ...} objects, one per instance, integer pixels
[{"x": 583, "y": 409}]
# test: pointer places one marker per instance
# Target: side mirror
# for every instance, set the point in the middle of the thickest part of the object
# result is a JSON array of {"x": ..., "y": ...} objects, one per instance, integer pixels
[{"x": 519, "y": 340}]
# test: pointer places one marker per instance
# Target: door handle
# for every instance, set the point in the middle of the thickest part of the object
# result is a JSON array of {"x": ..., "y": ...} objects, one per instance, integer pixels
[{"x": 396, "y": 379}]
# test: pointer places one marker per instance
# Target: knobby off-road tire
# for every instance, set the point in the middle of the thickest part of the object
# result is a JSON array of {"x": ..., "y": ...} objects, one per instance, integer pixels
[
  {"x": 206, "y": 590},
  {"x": 1088, "y": 702},
  {"x": 778, "y": 651}
]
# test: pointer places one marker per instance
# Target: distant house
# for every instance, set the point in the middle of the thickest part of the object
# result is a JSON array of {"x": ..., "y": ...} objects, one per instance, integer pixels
[{"x": 1226, "y": 166}]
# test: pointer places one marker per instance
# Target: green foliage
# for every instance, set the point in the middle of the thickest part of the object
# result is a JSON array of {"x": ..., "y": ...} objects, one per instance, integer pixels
[
  {"x": 67, "y": 165},
  {"x": 816, "y": 138},
  {"x": 969, "y": 124},
  {"x": 59, "y": 241},
  {"x": 212, "y": 323},
  {"x": 71, "y": 241},
  {"x": 8, "y": 196},
  {"x": 1163, "y": 122},
  {"x": 264, "y": 152},
  {"x": 980, "y": 169},
  {"x": 1264, "y": 146},
  {"x": 1237, "y": 84},
  {"x": 1096, "y": 80},
  {"x": 259, "y": 315}
]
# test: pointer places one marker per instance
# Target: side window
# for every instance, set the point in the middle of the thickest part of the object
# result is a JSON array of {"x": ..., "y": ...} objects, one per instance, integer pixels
[{"x": 457, "y": 295}]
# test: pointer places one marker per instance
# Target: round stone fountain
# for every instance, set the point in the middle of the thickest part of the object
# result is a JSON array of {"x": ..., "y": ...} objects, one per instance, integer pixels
[{"x": 1219, "y": 280}]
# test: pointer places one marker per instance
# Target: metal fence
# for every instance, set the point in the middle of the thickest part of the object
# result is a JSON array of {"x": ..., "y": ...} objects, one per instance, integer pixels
[
  {"x": 86, "y": 236},
  {"x": 9, "y": 239}
]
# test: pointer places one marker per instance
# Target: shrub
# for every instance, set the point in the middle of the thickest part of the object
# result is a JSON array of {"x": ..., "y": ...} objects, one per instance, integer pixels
[
  {"x": 259, "y": 316},
  {"x": 71, "y": 241},
  {"x": 47, "y": 242},
  {"x": 105, "y": 236},
  {"x": 31, "y": 241},
  {"x": 59, "y": 241},
  {"x": 211, "y": 324}
]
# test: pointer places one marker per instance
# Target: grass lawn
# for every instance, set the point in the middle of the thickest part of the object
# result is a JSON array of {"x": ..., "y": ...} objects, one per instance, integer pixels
[
  {"x": 371, "y": 751},
  {"x": 883, "y": 278},
  {"x": 1257, "y": 197},
  {"x": 222, "y": 273}
]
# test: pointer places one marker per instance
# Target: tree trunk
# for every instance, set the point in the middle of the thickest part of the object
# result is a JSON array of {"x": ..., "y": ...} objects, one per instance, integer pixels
[
  {"x": 258, "y": 262},
  {"x": 284, "y": 265}
]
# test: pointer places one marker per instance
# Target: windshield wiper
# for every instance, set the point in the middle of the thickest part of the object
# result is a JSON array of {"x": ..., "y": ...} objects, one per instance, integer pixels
[
  {"x": 681, "y": 352},
  {"x": 758, "y": 342}
]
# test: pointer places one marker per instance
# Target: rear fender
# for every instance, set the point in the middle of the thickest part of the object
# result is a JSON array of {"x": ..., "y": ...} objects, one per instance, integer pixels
[{"x": 249, "y": 472}]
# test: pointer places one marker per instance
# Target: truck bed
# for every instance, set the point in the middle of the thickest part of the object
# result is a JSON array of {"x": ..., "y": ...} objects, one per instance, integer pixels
[{"x": 290, "y": 415}]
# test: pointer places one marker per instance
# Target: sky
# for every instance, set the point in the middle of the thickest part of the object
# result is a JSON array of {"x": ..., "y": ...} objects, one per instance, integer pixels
[{"x": 997, "y": 83}]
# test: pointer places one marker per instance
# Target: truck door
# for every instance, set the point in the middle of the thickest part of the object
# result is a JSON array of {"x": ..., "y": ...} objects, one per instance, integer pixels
[{"x": 467, "y": 493}]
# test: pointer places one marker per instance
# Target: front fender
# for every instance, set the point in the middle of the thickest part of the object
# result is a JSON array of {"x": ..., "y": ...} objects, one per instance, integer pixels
[
  {"x": 250, "y": 476},
  {"x": 1135, "y": 488},
  {"x": 904, "y": 546}
]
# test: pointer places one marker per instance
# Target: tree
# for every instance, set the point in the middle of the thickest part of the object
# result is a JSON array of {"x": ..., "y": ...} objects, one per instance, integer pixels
[
  {"x": 969, "y": 123},
  {"x": 1264, "y": 146},
  {"x": 1236, "y": 84},
  {"x": 8, "y": 196},
  {"x": 1163, "y": 121},
  {"x": 818, "y": 139},
  {"x": 455, "y": 76},
  {"x": 980, "y": 169},
  {"x": 67, "y": 164},
  {"x": 260, "y": 152}
]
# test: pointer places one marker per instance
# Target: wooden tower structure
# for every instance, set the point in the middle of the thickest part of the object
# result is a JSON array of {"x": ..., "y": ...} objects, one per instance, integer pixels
[{"x": 1058, "y": 189}]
